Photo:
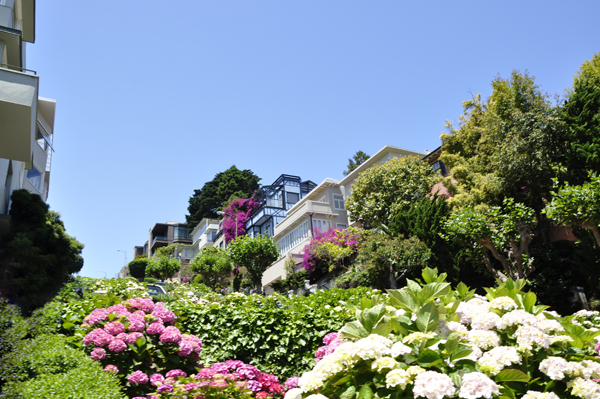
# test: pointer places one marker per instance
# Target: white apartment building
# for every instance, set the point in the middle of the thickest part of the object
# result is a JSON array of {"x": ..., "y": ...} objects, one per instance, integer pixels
[{"x": 26, "y": 120}]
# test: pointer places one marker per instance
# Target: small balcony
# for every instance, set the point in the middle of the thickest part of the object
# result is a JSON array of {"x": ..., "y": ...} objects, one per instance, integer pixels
[{"x": 18, "y": 107}]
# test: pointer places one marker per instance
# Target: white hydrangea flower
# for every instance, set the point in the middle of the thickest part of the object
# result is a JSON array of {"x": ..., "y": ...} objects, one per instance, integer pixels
[
  {"x": 503, "y": 303},
  {"x": 529, "y": 335},
  {"x": 390, "y": 309},
  {"x": 372, "y": 347},
  {"x": 517, "y": 317},
  {"x": 433, "y": 385},
  {"x": 554, "y": 367},
  {"x": 477, "y": 385},
  {"x": 476, "y": 354},
  {"x": 310, "y": 382},
  {"x": 398, "y": 377},
  {"x": 484, "y": 320},
  {"x": 317, "y": 396},
  {"x": 466, "y": 310},
  {"x": 399, "y": 349},
  {"x": 384, "y": 362},
  {"x": 586, "y": 313},
  {"x": 539, "y": 395},
  {"x": 418, "y": 337},
  {"x": 294, "y": 393},
  {"x": 338, "y": 308},
  {"x": 494, "y": 361},
  {"x": 585, "y": 389},
  {"x": 548, "y": 325},
  {"x": 483, "y": 339},
  {"x": 415, "y": 370},
  {"x": 400, "y": 312},
  {"x": 591, "y": 369}
]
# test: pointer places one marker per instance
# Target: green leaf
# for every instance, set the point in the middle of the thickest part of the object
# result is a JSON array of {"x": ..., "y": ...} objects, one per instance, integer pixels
[
  {"x": 140, "y": 341},
  {"x": 512, "y": 375},
  {"x": 428, "y": 356},
  {"x": 433, "y": 291},
  {"x": 397, "y": 327},
  {"x": 365, "y": 392},
  {"x": 349, "y": 393},
  {"x": 404, "y": 299},
  {"x": 383, "y": 329},
  {"x": 529, "y": 301},
  {"x": 353, "y": 330},
  {"x": 370, "y": 317},
  {"x": 68, "y": 326},
  {"x": 427, "y": 317}
]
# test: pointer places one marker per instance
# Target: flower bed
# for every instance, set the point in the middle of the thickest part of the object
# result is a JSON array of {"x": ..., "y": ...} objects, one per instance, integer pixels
[{"x": 428, "y": 341}]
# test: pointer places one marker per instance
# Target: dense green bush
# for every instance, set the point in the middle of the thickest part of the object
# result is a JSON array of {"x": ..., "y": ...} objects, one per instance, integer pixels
[
  {"x": 279, "y": 335},
  {"x": 45, "y": 367}
]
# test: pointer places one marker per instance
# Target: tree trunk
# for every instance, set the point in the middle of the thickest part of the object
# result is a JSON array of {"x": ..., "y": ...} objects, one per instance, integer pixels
[
  {"x": 487, "y": 243},
  {"x": 393, "y": 284},
  {"x": 595, "y": 230},
  {"x": 488, "y": 264}
]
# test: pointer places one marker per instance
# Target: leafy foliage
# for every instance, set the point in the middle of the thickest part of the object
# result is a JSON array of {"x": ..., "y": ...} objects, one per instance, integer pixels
[
  {"x": 290, "y": 282},
  {"x": 137, "y": 267},
  {"x": 504, "y": 232},
  {"x": 232, "y": 183},
  {"x": 279, "y": 335},
  {"x": 356, "y": 161},
  {"x": 166, "y": 250},
  {"x": 162, "y": 268},
  {"x": 510, "y": 146},
  {"x": 213, "y": 264},
  {"x": 390, "y": 259},
  {"x": 39, "y": 256},
  {"x": 383, "y": 191},
  {"x": 578, "y": 205},
  {"x": 46, "y": 367},
  {"x": 255, "y": 254}
]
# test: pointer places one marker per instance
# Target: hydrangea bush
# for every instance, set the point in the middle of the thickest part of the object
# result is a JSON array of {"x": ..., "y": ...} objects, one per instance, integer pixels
[
  {"x": 136, "y": 339},
  {"x": 230, "y": 379},
  {"x": 429, "y": 341}
]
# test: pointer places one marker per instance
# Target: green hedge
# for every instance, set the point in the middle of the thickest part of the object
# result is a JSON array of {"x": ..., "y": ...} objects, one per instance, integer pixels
[
  {"x": 279, "y": 335},
  {"x": 45, "y": 367}
]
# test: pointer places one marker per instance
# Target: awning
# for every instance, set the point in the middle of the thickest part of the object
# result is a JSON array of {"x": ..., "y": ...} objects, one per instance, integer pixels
[{"x": 18, "y": 111}]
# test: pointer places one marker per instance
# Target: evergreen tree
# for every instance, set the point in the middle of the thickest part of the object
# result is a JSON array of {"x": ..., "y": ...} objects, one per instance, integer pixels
[
  {"x": 356, "y": 161},
  {"x": 232, "y": 183}
]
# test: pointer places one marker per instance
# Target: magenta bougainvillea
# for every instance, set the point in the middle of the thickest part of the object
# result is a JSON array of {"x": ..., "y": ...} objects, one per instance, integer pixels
[
  {"x": 330, "y": 248},
  {"x": 236, "y": 214}
]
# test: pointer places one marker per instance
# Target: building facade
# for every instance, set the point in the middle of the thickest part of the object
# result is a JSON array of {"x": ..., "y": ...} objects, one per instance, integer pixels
[{"x": 26, "y": 120}]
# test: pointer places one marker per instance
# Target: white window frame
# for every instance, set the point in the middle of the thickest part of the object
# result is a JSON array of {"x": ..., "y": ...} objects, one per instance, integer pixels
[{"x": 338, "y": 202}]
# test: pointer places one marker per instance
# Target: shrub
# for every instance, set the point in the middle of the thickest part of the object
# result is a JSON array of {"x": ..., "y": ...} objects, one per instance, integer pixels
[
  {"x": 430, "y": 341},
  {"x": 150, "y": 280},
  {"x": 163, "y": 267},
  {"x": 275, "y": 333},
  {"x": 45, "y": 367},
  {"x": 137, "y": 267}
]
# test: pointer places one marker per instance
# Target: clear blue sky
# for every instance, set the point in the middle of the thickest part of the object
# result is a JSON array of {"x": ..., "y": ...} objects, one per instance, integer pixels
[{"x": 155, "y": 98}]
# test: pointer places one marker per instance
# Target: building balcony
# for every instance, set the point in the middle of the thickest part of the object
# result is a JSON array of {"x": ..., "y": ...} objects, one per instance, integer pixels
[
  {"x": 18, "y": 107},
  {"x": 307, "y": 207}
]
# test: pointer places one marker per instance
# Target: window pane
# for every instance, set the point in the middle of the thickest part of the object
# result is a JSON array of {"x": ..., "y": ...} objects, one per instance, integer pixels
[{"x": 35, "y": 177}]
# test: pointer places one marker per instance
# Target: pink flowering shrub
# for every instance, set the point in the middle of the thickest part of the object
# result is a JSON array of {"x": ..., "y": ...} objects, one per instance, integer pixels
[
  {"x": 138, "y": 340},
  {"x": 235, "y": 216},
  {"x": 230, "y": 379},
  {"x": 331, "y": 249}
]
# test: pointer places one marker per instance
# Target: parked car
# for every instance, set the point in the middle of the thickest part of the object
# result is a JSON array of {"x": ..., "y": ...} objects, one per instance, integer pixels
[{"x": 155, "y": 288}]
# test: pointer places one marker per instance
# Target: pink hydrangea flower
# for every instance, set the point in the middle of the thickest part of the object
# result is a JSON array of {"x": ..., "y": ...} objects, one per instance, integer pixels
[
  {"x": 155, "y": 328},
  {"x": 267, "y": 379},
  {"x": 165, "y": 388},
  {"x": 277, "y": 389},
  {"x": 329, "y": 338},
  {"x": 111, "y": 369},
  {"x": 190, "y": 386},
  {"x": 119, "y": 310},
  {"x": 263, "y": 395},
  {"x": 232, "y": 364},
  {"x": 132, "y": 338},
  {"x": 164, "y": 314},
  {"x": 138, "y": 377},
  {"x": 96, "y": 316},
  {"x": 117, "y": 345},
  {"x": 171, "y": 334},
  {"x": 98, "y": 354},
  {"x": 220, "y": 368},
  {"x": 254, "y": 386},
  {"x": 185, "y": 348},
  {"x": 114, "y": 328},
  {"x": 176, "y": 373},
  {"x": 121, "y": 336},
  {"x": 136, "y": 324},
  {"x": 249, "y": 372},
  {"x": 156, "y": 379},
  {"x": 98, "y": 337},
  {"x": 219, "y": 383},
  {"x": 293, "y": 382},
  {"x": 197, "y": 345},
  {"x": 205, "y": 373}
]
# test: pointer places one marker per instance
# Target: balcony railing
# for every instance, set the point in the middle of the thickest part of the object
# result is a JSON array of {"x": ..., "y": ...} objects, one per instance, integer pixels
[
  {"x": 18, "y": 69},
  {"x": 162, "y": 238}
]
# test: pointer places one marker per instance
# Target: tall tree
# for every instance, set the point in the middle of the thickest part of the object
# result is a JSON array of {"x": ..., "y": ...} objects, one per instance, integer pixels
[
  {"x": 255, "y": 254},
  {"x": 213, "y": 264},
  {"x": 356, "y": 161},
  {"x": 382, "y": 191},
  {"x": 39, "y": 256},
  {"x": 581, "y": 113},
  {"x": 509, "y": 146},
  {"x": 214, "y": 194},
  {"x": 162, "y": 268}
]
